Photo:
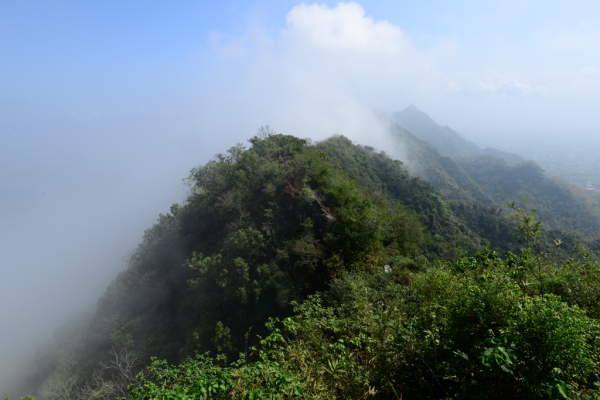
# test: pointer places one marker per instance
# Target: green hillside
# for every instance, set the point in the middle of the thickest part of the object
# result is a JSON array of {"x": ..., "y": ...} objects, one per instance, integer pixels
[
  {"x": 560, "y": 204},
  {"x": 263, "y": 227},
  {"x": 330, "y": 271},
  {"x": 446, "y": 176},
  {"x": 494, "y": 178},
  {"x": 380, "y": 174}
]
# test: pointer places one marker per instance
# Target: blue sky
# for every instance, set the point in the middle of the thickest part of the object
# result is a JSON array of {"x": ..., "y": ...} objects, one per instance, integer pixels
[
  {"x": 106, "y": 106},
  {"x": 94, "y": 59}
]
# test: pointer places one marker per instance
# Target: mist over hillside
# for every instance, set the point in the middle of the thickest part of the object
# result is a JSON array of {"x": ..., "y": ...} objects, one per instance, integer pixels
[
  {"x": 105, "y": 107},
  {"x": 492, "y": 176},
  {"x": 460, "y": 203},
  {"x": 448, "y": 142},
  {"x": 72, "y": 205},
  {"x": 268, "y": 226}
]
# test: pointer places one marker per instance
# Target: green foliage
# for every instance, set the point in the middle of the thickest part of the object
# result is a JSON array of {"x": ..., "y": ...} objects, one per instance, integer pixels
[
  {"x": 378, "y": 286},
  {"x": 380, "y": 174},
  {"x": 261, "y": 227},
  {"x": 559, "y": 204},
  {"x": 196, "y": 378},
  {"x": 555, "y": 342},
  {"x": 464, "y": 329},
  {"x": 383, "y": 339},
  {"x": 277, "y": 221},
  {"x": 500, "y": 355}
]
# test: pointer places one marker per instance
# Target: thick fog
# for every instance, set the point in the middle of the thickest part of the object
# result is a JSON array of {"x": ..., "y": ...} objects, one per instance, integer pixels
[{"x": 105, "y": 107}]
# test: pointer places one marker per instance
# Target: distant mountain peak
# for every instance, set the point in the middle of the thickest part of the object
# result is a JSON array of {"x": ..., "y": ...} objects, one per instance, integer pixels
[
  {"x": 414, "y": 113},
  {"x": 445, "y": 140}
]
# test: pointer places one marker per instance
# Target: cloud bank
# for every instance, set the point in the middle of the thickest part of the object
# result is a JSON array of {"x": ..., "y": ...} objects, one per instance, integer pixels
[{"x": 330, "y": 67}]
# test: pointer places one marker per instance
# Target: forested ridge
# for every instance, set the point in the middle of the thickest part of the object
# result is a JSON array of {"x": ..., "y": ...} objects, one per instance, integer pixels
[
  {"x": 459, "y": 170},
  {"x": 326, "y": 271}
]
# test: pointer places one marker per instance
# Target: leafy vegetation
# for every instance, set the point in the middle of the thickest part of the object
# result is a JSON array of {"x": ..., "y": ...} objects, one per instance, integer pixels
[
  {"x": 560, "y": 204},
  {"x": 479, "y": 327},
  {"x": 379, "y": 173},
  {"x": 462, "y": 172},
  {"x": 328, "y": 271},
  {"x": 261, "y": 227}
]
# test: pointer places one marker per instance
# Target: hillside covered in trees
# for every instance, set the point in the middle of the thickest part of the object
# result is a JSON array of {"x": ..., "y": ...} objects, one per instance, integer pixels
[
  {"x": 328, "y": 271},
  {"x": 459, "y": 170}
]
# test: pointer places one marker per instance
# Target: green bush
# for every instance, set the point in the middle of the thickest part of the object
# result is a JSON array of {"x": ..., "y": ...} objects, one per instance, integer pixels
[{"x": 465, "y": 329}]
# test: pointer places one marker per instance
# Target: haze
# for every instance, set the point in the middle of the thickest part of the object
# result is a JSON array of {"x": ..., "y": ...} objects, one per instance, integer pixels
[{"x": 105, "y": 107}]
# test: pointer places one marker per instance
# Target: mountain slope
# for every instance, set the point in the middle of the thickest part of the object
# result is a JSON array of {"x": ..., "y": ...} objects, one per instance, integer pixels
[
  {"x": 492, "y": 177},
  {"x": 510, "y": 158},
  {"x": 448, "y": 142},
  {"x": 269, "y": 226},
  {"x": 560, "y": 204},
  {"x": 379, "y": 173},
  {"x": 448, "y": 178},
  {"x": 261, "y": 228}
]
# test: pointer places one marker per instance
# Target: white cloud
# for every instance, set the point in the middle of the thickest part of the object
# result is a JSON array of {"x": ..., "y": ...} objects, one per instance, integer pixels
[
  {"x": 330, "y": 67},
  {"x": 327, "y": 71},
  {"x": 344, "y": 27},
  {"x": 502, "y": 84}
]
